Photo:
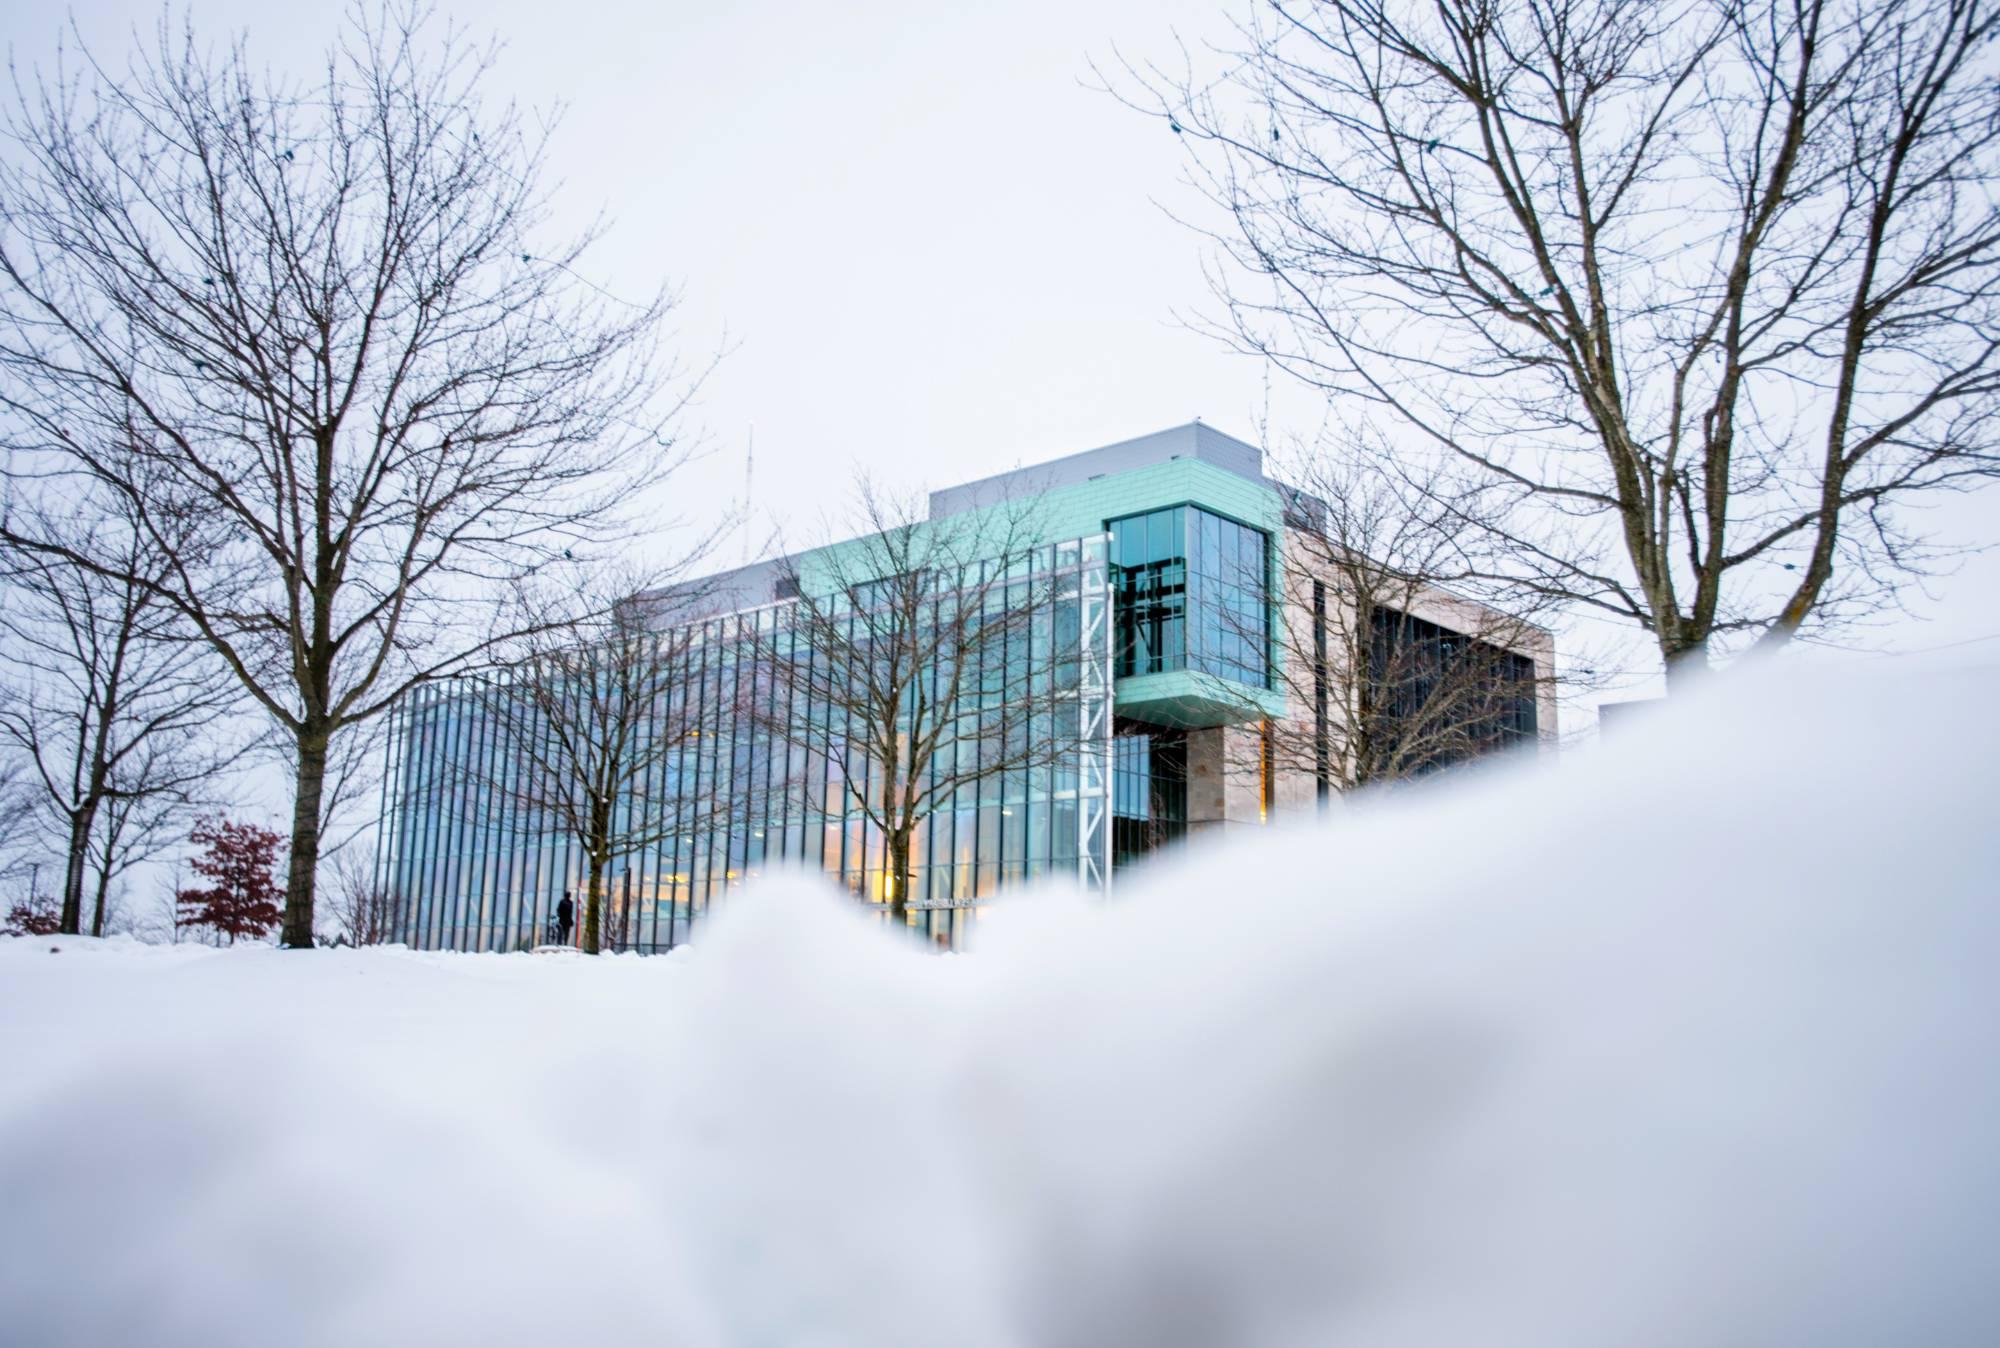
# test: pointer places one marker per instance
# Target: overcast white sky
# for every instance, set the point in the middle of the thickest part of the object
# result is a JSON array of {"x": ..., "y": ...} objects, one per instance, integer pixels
[{"x": 935, "y": 251}]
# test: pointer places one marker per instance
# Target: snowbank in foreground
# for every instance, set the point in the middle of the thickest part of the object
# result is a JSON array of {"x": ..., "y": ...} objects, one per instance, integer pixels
[{"x": 1687, "y": 1043}]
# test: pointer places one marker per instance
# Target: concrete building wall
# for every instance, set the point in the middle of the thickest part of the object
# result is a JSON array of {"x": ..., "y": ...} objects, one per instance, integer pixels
[{"x": 1225, "y": 782}]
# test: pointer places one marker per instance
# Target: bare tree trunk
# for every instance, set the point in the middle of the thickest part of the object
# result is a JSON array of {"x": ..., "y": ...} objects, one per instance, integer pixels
[
  {"x": 897, "y": 845},
  {"x": 79, "y": 848},
  {"x": 895, "y": 839},
  {"x": 97, "y": 911},
  {"x": 310, "y": 783},
  {"x": 593, "y": 906}
]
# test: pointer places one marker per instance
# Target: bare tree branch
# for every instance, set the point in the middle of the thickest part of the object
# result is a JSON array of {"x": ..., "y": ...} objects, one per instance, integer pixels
[{"x": 1699, "y": 293}]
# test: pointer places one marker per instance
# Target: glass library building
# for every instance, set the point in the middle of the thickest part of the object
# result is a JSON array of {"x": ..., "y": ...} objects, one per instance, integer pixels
[{"x": 1153, "y": 586}]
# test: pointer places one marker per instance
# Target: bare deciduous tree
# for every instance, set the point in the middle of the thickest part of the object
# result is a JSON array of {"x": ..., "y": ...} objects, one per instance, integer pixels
[
  {"x": 132, "y": 831},
  {"x": 595, "y": 717},
  {"x": 166, "y": 919},
  {"x": 364, "y": 909},
  {"x": 923, "y": 661},
  {"x": 1388, "y": 672},
  {"x": 122, "y": 717},
  {"x": 317, "y": 322},
  {"x": 1698, "y": 293}
]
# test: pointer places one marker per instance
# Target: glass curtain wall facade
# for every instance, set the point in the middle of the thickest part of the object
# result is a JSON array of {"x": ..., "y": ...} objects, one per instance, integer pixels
[
  {"x": 1193, "y": 594},
  {"x": 475, "y": 872},
  {"x": 1149, "y": 790}
]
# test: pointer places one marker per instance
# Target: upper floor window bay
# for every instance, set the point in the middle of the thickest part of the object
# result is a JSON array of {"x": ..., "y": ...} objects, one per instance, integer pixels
[{"x": 1192, "y": 592}]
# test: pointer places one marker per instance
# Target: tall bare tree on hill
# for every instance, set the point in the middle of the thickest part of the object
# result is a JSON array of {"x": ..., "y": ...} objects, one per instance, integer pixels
[
  {"x": 918, "y": 665},
  {"x": 365, "y": 909},
  {"x": 320, "y": 325},
  {"x": 122, "y": 717},
  {"x": 1700, "y": 296},
  {"x": 597, "y": 718}
]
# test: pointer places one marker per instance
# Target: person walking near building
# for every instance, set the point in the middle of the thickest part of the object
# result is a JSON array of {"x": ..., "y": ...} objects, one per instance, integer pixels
[{"x": 565, "y": 916}]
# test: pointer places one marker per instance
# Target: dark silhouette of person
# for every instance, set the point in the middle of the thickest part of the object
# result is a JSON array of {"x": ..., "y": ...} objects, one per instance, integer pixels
[{"x": 565, "y": 915}]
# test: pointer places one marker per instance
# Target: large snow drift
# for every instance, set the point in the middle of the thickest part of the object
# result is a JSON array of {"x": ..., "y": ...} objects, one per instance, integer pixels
[{"x": 1687, "y": 1042}]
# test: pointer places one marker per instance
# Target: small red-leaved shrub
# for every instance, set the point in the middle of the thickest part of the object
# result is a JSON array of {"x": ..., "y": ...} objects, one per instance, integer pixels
[
  {"x": 242, "y": 898},
  {"x": 36, "y": 915}
]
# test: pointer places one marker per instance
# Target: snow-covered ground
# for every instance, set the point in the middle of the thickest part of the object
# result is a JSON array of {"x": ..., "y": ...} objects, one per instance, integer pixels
[{"x": 1690, "y": 1041}]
